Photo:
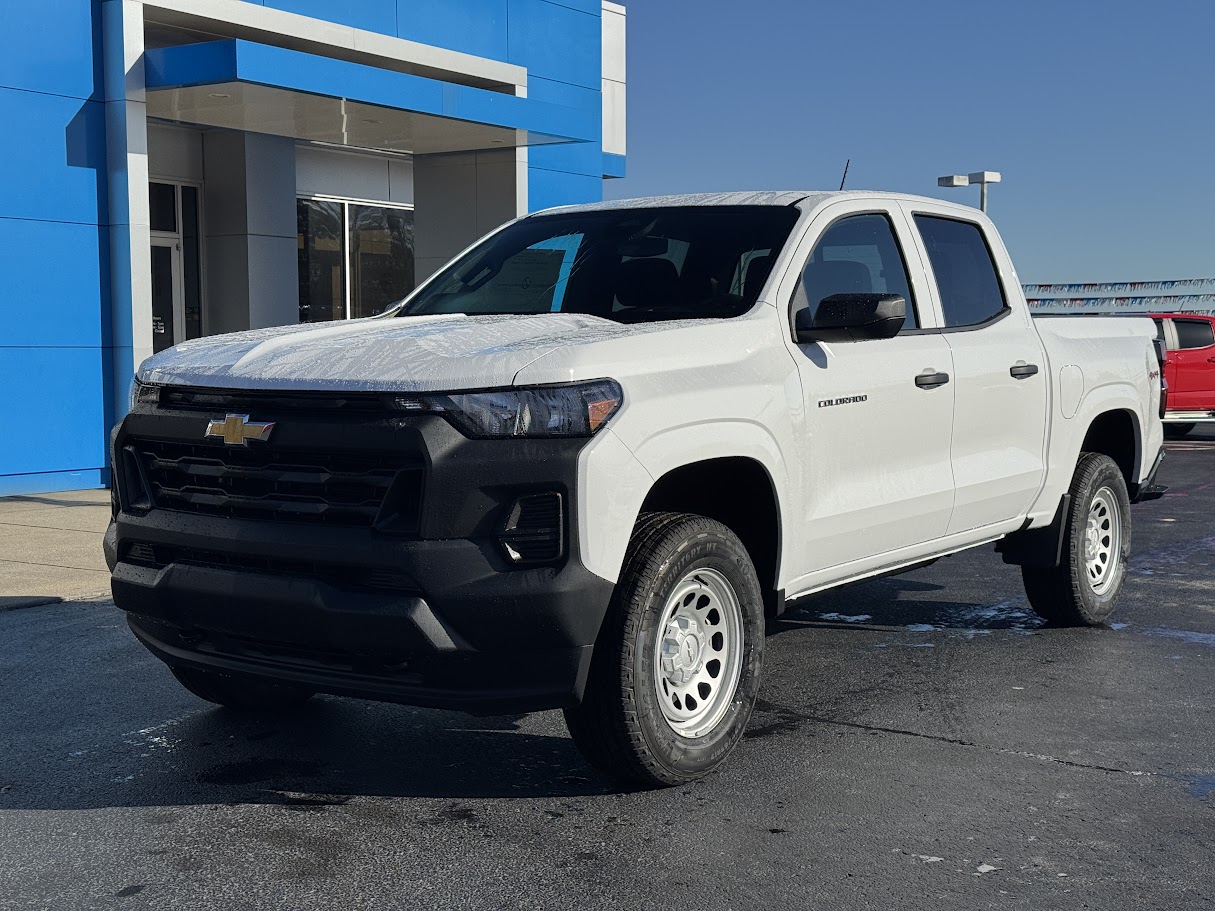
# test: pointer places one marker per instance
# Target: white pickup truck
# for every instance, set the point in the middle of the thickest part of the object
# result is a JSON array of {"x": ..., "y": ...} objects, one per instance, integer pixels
[{"x": 581, "y": 464}]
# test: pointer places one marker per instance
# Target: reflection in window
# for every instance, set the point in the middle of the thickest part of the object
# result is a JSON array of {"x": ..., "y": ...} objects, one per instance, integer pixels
[
  {"x": 964, "y": 269},
  {"x": 162, "y": 207},
  {"x": 1193, "y": 333},
  {"x": 191, "y": 264},
  {"x": 374, "y": 242},
  {"x": 381, "y": 258},
  {"x": 856, "y": 255},
  {"x": 321, "y": 260}
]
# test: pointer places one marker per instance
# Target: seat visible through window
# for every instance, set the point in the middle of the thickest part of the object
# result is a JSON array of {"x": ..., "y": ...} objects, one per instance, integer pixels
[{"x": 856, "y": 255}]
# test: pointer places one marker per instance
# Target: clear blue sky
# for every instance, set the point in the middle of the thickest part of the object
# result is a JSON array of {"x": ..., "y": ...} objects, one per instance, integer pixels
[{"x": 1100, "y": 115}]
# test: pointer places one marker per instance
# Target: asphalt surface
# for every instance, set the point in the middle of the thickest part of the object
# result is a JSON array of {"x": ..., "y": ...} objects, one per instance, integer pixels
[{"x": 921, "y": 741}]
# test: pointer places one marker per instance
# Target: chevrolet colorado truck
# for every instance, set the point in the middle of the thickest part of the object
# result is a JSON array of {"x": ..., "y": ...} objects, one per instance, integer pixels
[{"x": 581, "y": 465}]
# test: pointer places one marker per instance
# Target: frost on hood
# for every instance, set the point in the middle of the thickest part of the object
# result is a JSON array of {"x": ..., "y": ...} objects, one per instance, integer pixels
[{"x": 406, "y": 354}]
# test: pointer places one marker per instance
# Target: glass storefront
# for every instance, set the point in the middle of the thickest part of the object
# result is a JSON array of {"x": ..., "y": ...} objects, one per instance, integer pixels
[{"x": 355, "y": 259}]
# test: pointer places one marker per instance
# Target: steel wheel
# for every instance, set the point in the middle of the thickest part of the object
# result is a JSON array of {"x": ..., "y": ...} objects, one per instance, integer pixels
[
  {"x": 698, "y": 653},
  {"x": 1102, "y": 540}
]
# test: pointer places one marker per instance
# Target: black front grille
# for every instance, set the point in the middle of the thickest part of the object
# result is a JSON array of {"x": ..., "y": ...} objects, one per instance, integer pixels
[
  {"x": 318, "y": 487},
  {"x": 159, "y": 556},
  {"x": 189, "y": 398}
]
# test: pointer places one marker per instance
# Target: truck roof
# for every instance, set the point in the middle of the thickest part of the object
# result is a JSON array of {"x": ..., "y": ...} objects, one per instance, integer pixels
[{"x": 743, "y": 198}]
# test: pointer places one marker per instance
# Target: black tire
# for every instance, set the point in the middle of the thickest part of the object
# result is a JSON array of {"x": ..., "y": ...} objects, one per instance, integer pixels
[
  {"x": 1177, "y": 431},
  {"x": 1064, "y": 595},
  {"x": 620, "y": 726},
  {"x": 242, "y": 694}
]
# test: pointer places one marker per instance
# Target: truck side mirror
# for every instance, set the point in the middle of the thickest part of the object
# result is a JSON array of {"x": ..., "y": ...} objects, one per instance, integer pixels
[{"x": 851, "y": 317}]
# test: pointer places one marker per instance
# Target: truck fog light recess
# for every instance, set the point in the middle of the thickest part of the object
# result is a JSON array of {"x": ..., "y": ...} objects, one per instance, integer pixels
[
  {"x": 534, "y": 529},
  {"x": 529, "y": 412}
]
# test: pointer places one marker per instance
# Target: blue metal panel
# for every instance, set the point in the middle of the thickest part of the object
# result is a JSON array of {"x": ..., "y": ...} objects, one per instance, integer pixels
[
  {"x": 56, "y": 396},
  {"x": 557, "y": 188},
  {"x": 572, "y": 96},
  {"x": 577, "y": 158},
  {"x": 372, "y": 15},
  {"x": 470, "y": 26},
  {"x": 594, "y": 7},
  {"x": 55, "y": 280},
  {"x": 52, "y": 156},
  {"x": 48, "y": 46},
  {"x": 581, "y": 158},
  {"x": 242, "y": 61},
  {"x": 613, "y": 165},
  {"x": 557, "y": 42},
  {"x": 49, "y": 482}
]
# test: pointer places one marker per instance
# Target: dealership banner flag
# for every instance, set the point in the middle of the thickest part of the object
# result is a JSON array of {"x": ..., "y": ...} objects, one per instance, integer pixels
[
  {"x": 1109, "y": 288},
  {"x": 1168, "y": 302}
]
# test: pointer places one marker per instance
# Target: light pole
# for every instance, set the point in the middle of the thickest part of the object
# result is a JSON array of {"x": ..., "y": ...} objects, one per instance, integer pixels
[{"x": 982, "y": 178}]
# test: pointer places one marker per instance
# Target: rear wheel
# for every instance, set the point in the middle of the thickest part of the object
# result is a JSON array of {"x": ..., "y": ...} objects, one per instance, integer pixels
[
  {"x": 1083, "y": 588},
  {"x": 1176, "y": 431},
  {"x": 244, "y": 694},
  {"x": 677, "y": 665}
]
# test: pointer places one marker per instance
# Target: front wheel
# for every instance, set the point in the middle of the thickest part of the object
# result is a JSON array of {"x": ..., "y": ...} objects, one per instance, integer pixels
[
  {"x": 677, "y": 664},
  {"x": 1083, "y": 588}
]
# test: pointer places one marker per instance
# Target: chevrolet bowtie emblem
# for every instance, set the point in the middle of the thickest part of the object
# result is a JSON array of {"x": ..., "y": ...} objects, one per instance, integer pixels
[{"x": 238, "y": 430}]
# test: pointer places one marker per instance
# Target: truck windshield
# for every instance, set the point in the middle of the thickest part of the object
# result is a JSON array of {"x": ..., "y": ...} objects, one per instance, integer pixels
[{"x": 627, "y": 265}]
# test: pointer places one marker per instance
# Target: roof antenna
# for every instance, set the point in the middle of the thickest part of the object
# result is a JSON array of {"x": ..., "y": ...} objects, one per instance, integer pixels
[{"x": 845, "y": 177}]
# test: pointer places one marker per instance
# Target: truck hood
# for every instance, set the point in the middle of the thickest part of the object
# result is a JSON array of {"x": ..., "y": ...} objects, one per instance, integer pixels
[{"x": 396, "y": 354}]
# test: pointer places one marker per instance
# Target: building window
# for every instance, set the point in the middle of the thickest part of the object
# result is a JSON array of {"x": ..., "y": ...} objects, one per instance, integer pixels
[{"x": 355, "y": 258}]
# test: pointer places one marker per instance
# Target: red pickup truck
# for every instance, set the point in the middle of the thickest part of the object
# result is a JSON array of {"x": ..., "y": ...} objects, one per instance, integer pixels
[{"x": 1189, "y": 369}]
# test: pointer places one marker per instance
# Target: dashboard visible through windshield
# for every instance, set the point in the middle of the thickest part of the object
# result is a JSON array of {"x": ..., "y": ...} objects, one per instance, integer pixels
[{"x": 627, "y": 265}]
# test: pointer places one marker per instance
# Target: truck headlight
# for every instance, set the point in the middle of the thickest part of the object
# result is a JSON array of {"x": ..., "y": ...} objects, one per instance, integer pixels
[
  {"x": 574, "y": 410},
  {"x": 143, "y": 394}
]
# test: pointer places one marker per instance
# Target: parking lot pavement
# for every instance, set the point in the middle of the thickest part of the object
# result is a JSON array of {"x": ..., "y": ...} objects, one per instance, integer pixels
[
  {"x": 50, "y": 547},
  {"x": 921, "y": 741}
]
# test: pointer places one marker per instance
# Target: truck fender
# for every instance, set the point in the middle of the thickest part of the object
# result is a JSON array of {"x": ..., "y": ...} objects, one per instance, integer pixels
[{"x": 609, "y": 510}]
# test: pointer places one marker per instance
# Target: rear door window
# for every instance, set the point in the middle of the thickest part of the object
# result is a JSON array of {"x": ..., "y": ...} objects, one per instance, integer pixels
[
  {"x": 1193, "y": 333},
  {"x": 964, "y": 269}
]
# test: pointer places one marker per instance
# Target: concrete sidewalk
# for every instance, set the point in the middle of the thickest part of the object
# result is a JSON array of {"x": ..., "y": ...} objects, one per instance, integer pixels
[{"x": 50, "y": 547}]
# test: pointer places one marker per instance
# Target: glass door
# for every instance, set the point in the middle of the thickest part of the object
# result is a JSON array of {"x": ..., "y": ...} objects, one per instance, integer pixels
[{"x": 168, "y": 307}]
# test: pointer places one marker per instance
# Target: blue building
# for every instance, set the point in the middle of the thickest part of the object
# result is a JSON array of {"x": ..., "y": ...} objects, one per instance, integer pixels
[{"x": 177, "y": 168}]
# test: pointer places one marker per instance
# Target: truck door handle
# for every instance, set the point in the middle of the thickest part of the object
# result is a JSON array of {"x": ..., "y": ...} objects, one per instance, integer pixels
[
  {"x": 930, "y": 380},
  {"x": 1022, "y": 371},
  {"x": 1211, "y": 360}
]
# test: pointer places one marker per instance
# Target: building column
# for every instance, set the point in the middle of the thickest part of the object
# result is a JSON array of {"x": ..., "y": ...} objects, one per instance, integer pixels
[
  {"x": 129, "y": 217},
  {"x": 462, "y": 196},
  {"x": 249, "y": 207}
]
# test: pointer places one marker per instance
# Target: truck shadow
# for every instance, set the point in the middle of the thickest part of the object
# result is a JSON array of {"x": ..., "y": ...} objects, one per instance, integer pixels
[
  {"x": 326, "y": 754},
  {"x": 907, "y": 603},
  {"x": 70, "y": 752}
]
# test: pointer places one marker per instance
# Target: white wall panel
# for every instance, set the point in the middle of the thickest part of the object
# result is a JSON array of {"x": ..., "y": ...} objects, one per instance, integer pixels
[
  {"x": 330, "y": 172},
  {"x": 614, "y": 118},
  {"x": 613, "y": 42},
  {"x": 614, "y": 111}
]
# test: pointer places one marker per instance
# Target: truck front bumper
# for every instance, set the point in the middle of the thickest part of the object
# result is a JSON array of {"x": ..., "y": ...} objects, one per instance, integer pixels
[
  {"x": 472, "y": 637},
  {"x": 422, "y": 605}
]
